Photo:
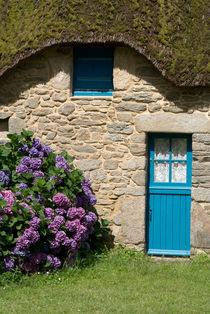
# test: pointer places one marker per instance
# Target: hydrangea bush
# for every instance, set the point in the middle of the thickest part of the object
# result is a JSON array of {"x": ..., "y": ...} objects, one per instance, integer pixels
[{"x": 44, "y": 206}]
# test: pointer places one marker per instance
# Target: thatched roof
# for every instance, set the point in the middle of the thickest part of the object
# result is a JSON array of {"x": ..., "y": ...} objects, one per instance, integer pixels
[{"x": 173, "y": 34}]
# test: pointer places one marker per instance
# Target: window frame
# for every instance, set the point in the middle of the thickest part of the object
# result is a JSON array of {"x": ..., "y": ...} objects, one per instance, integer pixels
[{"x": 92, "y": 54}]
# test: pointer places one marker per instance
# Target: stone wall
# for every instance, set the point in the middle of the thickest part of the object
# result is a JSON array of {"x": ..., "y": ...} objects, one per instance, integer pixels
[{"x": 108, "y": 135}]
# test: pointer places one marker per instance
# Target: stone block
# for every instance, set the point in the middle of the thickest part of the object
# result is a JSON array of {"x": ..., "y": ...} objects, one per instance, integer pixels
[
  {"x": 130, "y": 191},
  {"x": 16, "y": 125},
  {"x": 137, "y": 149},
  {"x": 170, "y": 122},
  {"x": 138, "y": 138},
  {"x": 142, "y": 97},
  {"x": 59, "y": 97},
  {"x": 99, "y": 176},
  {"x": 113, "y": 137},
  {"x": 42, "y": 112},
  {"x": 60, "y": 72},
  {"x": 41, "y": 91},
  {"x": 67, "y": 131},
  {"x": 111, "y": 164},
  {"x": 134, "y": 164},
  {"x": 154, "y": 107},
  {"x": 49, "y": 104},
  {"x": 66, "y": 109},
  {"x": 139, "y": 177},
  {"x": 133, "y": 220},
  {"x": 5, "y": 115},
  {"x": 51, "y": 136},
  {"x": 84, "y": 148},
  {"x": 123, "y": 66},
  {"x": 121, "y": 128},
  {"x": 131, "y": 106},
  {"x": 124, "y": 117},
  {"x": 201, "y": 194},
  {"x": 200, "y": 222},
  {"x": 87, "y": 164},
  {"x": 32, "y": 102},
  {"x": 201, "y": 138}
]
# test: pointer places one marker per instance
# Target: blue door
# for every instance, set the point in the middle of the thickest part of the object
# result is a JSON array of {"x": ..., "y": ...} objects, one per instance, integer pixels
[{"x": 169, "y": 201}]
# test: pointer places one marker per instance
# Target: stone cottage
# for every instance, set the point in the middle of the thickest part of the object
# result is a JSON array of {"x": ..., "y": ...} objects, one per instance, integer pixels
[{"x": 124, "y": 88}]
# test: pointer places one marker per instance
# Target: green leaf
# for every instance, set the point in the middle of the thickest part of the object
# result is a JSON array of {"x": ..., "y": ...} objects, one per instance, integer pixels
[
  {"x": 19, "y": 226},
  {"x": 27, "y": 134},
  {"x": 5, "y": 218},
  {"x": 3, "y": 203}
]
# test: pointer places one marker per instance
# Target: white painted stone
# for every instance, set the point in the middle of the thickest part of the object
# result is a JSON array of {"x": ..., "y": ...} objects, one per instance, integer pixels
[{"x": 170, "y": 122}]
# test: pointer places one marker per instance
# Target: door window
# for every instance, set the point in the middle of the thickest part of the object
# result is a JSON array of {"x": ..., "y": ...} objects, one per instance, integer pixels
[{"x": 168, "y": 158}]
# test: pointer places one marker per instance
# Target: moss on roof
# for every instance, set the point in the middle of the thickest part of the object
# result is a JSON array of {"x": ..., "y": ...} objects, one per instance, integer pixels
[{"x": 173, "y": 34}]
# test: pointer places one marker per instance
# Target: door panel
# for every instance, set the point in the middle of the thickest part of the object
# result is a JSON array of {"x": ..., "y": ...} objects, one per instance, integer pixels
[{"x": 169, "y": 194}]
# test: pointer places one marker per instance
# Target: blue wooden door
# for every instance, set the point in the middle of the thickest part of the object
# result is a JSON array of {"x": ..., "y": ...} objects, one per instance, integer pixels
[{"x": 169, "y": 201}]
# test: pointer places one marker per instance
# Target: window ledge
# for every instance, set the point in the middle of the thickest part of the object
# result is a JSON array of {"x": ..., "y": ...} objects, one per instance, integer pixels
[{"x": 91, "y": 97}]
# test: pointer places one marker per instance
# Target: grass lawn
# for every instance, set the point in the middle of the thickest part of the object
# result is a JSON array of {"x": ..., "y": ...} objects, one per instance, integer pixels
[{"x": 116, "y": 282}]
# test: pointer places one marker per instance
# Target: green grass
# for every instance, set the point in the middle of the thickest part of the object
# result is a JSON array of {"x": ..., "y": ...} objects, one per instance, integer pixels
[{"x": 116, "y": 282}]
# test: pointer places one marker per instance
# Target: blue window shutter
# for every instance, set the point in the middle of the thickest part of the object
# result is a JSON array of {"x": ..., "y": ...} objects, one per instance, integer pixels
[{"x": 93, "y": 70}]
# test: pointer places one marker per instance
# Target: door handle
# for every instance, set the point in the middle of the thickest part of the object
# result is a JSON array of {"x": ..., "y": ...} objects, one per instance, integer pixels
[{"x": 150, "y": 214}]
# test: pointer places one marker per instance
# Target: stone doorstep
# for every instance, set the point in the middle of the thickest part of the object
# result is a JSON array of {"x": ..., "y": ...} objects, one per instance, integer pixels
[{"x": 172, "y": 259}]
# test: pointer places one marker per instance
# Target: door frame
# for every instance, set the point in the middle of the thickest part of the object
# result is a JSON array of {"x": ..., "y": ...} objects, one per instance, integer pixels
[{"x": 172, "y": 186}]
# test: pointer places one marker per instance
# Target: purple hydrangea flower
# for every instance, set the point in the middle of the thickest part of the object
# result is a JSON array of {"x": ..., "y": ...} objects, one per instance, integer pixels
[
  {"x": 4, "y": 177},
  {"x": 54, "y": 244},
  {"x": 60, "y": 236},
  {"x": 67, "y": 242},
  {"x": 35, "y": 223},
  {"x": 25, "y": 161},
  {"x": 19, "y": 252},
  {"x": 60, "y": 211},
  {"x": 46, "y": 150},
  {"x": 35, "y": 163},
  {"x": 61, "y": 200},
  {"x": 92, "y": 199},
  {"x": 86, "y": 186},
  {"x": 9, "y": 262},
  {"x": 73, "y": 225},
  {"x": 72, "y": 213},
  {"x": 80, "y": 212},
  {"x": 49, "y": 213},
  {"x": 56, "y": 262},
  {"x": 61, "y": 162},
  {"x": 23, "y": 243},
  {"x": 38, "y": 174},
  {"x": 23, "y": 149},
  {"x": 92, "y": 216},
  {"x": 34, "y": 152},
  {"x": 22, "y": 169},
  {"x": 37, "y": 258},
  {"x": 31, "y": 235},
  {"x": 56, "y": 223},
  {"x": 37, "y": 144},
  {"x": 73, "y": 245},
  {"x": 22, "y": 186}
]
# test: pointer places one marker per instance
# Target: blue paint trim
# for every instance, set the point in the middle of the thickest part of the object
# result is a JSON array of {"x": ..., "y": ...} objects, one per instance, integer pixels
[
  {"x": 92, "y": 93},
  {"x": 169, "y": 252},
  {"x": 169, "y": 191}
]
